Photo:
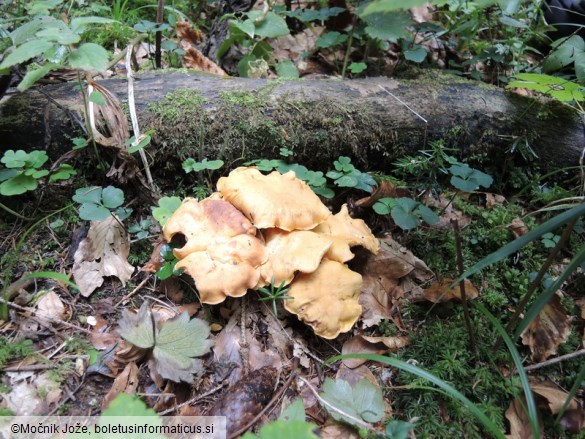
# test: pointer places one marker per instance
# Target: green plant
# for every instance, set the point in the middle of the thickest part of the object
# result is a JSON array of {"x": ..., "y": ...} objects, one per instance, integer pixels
[
  {"x": 53, "y": 43},
  {"x": 22, "y": 172},
  {"x": 274, "y": 293},
  {"x": 10, "y": 349},
  {"x": 467, "y": 179},
  {"x": 190, "y": 165},
  {"x": 167, "y": 269},
  {"x": 346, "y": 175},
  {"x": 140, "y": 229},
  {"x": 550, "y": 240},
  {"x": 166, "y": 207},
  {"x": 98, "y": 203},
  {"x": 406, "y": 212}
]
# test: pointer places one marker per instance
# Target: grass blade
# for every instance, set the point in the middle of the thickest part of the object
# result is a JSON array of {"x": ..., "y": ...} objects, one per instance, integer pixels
[{"x": 532, "y": 413}]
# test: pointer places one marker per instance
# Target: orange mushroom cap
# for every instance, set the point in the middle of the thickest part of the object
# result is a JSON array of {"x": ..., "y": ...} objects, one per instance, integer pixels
[
  {"x": 274, "y": 200},
  {"x": 327, "y": 299},
  {"x": 205, "y": 223},
  {"x": 346, "y": 232},
  {"x": 289, "y": 252}
]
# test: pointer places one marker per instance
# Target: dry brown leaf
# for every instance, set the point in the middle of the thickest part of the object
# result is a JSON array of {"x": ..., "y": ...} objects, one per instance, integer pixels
[
  {"x": 518, "y": 228},
  {"x": 573, "y": 421},
  {"x": 353, "y": 375},
  {"x": 186, "y": 31},
  {"x": 438, "y": 292},
  {"x": 448, "y": 213},
  {"x": 493, "y": 200},
  {"x": 126, "y": 382},
  {"x": 338, "y": 431},
  {"x": 553, "y": 394},
  {"x": 194, "y": 59},
  {"x": 50, "y": 306},
  {"x": 519, "y": 421},
  {"x": 359, "y": 345},
  {"x": 386, "y": 189},
  {"x": 548, "y": 330},
  {"x": 104, "y": 252}
]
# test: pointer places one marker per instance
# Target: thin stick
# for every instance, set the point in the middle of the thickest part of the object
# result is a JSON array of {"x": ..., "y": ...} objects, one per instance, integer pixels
[
  {"x": 404, "y": 103},
  {"x": 41, "y": 317},
  {"x": 335, "y": 409},
  {"x": 29, "y": 368},
  {"x": 461, "y": 269},
  {"x": 124, "y": 299},
  {"x": 192, "y": 400},
  {"x": 275, "y": 398},
  {"x": 134, "y": 118},
  {"x": 555, "y": 360}
]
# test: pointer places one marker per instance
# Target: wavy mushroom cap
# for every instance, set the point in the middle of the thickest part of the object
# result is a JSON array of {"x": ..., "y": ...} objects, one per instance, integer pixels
[
  {"x": 346, "y": 232},
  {"x": 227, "y": 269},
  {"x": 289, "y": 252},
  {"x": 327, "y": 299},
  {"x": 205, "y": 223},
  {"x": 274, "y": 200}
]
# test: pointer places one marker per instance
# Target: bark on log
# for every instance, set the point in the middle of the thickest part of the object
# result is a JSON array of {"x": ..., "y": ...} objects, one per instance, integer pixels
[{"x": 201, "y": 115}]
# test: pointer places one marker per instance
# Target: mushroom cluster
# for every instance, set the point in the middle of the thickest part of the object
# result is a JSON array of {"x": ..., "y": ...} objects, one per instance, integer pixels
[{"x": 259, "y": 229}]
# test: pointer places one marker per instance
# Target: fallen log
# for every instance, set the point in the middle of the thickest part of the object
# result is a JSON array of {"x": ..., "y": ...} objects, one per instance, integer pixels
[{"x": 374, "y": 120}]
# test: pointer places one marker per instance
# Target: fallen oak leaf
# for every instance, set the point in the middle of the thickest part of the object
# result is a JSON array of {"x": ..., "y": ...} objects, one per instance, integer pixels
[{"x": 438, "y": 292}]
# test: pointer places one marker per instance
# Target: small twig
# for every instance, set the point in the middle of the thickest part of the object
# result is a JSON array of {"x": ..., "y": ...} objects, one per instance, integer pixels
[
  {"x": 70, "y": 396},
  {"x": 275, "y": 398},
  {"x": 335, "y": 409},
  {"x": 42, "y": 318},
  {"x": 192, "y": 400},
  {"x": 124, "y": 299},
  {"x": 29, "y": 368},
  {"x": 118, "y": 57},
  {"x": 244, "y": 351},
  {"x": 555, "y": 360},
  {"x": 461, "y": 270}
]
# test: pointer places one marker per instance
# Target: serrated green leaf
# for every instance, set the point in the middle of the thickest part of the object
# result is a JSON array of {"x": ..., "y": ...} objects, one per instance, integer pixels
[
  {"x": 79, "y": 23},
  {"x": 18, "y": 184},
  {"x": 138, "y": 328},
  {"x": 93, "y": 212},
  {"x": 329, "y": 39},
  {"x": 388, "y": 26},
  {"x": 272, "y": 26},
  {"x": 559, "y": 88},
  {"x": 287, "y": 69},
  {"x": 295, "y": 411},
  {"x": 33, "y": 75},
  {"x": 26, "y": 51},
  {"x": 389, "y": 6},
  {"x": 42, "y": 7},
  {"x": 285, "y": 430},
  {"x": 166, "y": 207},
  {"x": 362, "y": 402},
  {"x": 89, "y": 56},
  {"x": 246, "y": 26},
  {"x": 112, "y": 197},
  {"x": 60, "y": 34},
  {"x": 28, "y": 30},
  {"x": 127, "y": 405}
]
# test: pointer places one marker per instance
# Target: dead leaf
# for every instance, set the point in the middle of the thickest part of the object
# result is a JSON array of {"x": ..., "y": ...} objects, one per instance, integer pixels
[
  {"x": 50, "y": 306},
  {"x": 554, "y": 395},
  {"x": 519, "y": 421},
  {"x": 573, "y": 421},
  {"x": 386, "y": 189},
  {"x": 104, "y": 252},
  {"x": 438, "y": 292},
  {"x": 493, "y": 200},
  {"x": 448, "y": 212},
  {"x": 126, "y": 382},
  {"x": 353, "y": 375},
  {"x": 359, "y": 345},
  {"x": 548, "y": 330},
  {"x": 194, "y": 59},
  {"x": 186, "y": 31},
  {"x": 338, "y": 431},
  {"x": 518, "y": 228},
  {"x": 226, "y": 352}
]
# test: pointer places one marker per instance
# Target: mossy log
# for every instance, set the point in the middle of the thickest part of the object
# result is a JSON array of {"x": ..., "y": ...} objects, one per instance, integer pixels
[{"x": 205, "y": 116}]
